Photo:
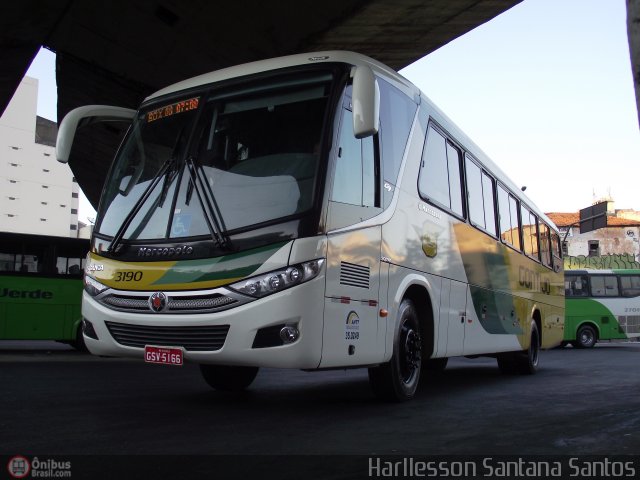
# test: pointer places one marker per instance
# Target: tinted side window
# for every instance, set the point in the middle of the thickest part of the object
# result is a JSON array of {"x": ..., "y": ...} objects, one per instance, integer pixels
[
  {"x": 545, "y": 245},
  {"x": 529, "y": 231},
  {"x": 508, "y": 215},
  {"x": 396, "y": 117},
  {"x": 630, "y": 285},
  {"x": 481, "y": 197},
  {"x": 555, "y": 248},
  {"x": 576, "y": 286},
  {"x": 440, "y": 179},
  {"x": 604, "y": 286},
  {"x": 474, "y": 193},
  {"x": 488, "y": 193},
  {"x": 434, "y": 175},
  {"x": 354, "y": 178}
]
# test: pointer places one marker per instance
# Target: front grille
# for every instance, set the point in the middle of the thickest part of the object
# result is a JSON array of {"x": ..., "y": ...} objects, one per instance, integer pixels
[
  {"x": 195, "y": 339},
  {"x": 177, "y": 302}
]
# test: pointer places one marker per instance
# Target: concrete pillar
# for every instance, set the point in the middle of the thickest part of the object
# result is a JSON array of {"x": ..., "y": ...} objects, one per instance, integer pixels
[{"x": 633, "y": 30}]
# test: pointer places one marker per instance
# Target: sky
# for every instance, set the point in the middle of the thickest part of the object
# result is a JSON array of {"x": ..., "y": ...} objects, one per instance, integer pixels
[{"x": 545, "y": 89}]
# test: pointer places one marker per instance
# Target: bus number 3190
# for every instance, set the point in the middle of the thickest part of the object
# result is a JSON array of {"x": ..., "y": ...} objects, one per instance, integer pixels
[{"x": 128, "y": 276}]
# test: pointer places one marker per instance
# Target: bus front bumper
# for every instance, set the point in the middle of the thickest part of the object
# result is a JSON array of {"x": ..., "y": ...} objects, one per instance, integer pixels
[{"x": 251, "y": 338}]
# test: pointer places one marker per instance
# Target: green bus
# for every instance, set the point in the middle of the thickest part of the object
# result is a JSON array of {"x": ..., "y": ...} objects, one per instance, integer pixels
[
  {"x": 41, "y": 287},
  {"x": 601, "y": 305}
]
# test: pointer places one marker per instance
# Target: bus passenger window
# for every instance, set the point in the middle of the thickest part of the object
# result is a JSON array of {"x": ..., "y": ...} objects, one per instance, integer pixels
[
  {"x": 440, "y": 180},
  {"x": 575, "y": 286},
  {"x": 604, "y": 286},
  {"x": 481, "y": 197},
  {"x": 545, "y": 245},
  {"x": 508, "y": 214},
  {"x": 396, "y": 117},
  {"x": 630, "y": 285},
  {"x": 529, "y": 231}
]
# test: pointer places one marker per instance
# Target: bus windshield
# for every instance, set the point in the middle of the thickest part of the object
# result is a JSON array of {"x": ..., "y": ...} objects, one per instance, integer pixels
[{"x": 218, "y": 161}]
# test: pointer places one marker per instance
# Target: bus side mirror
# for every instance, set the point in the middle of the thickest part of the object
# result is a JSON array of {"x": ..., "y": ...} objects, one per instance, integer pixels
[
  {"x": 82, "y": 116},
  {"x": 366, "y": 102}
]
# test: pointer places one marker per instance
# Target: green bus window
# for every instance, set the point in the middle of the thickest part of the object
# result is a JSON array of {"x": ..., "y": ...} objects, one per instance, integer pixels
[
  {"x": 604, "y": 286},
  {"x": 576, "y": 286},
  {"x": 630, "y": 285}
]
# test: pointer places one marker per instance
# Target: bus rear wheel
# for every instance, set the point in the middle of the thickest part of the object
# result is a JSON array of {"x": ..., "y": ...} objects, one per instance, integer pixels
[
  {"x": 586, "y": 337},
  {"x": 228, "y": 378},
  {"x": 398, "y": 380}
]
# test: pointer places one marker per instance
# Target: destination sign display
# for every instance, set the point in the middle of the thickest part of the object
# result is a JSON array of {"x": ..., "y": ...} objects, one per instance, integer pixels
[{"x": 173, "y": 109}]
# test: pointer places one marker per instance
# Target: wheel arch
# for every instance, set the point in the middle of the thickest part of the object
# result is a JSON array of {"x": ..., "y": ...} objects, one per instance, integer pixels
[
  {"x": 590, "y": 323},
  {"x": 537, "y": 318},
  {"x": 421, "y": 300}
]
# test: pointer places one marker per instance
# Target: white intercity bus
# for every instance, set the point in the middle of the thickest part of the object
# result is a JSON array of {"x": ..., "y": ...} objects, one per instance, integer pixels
[{"x": 314, "y": 211}]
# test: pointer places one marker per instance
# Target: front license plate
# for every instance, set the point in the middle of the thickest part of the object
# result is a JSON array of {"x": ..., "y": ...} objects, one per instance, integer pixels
[{"x": 163, "y": 355}]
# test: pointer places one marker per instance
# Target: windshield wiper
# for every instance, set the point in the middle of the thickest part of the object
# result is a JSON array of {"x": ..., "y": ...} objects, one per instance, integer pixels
[
  {"x": 208, "y": 203},
  {"x": 169, "y": 167}
]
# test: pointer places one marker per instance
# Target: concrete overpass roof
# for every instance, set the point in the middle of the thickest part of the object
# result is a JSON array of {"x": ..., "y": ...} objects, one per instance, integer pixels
[{"x": 120, "y": 51}]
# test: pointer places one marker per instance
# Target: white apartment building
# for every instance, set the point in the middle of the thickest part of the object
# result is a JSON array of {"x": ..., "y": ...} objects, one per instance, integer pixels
[{"x": 37, "y": 194}]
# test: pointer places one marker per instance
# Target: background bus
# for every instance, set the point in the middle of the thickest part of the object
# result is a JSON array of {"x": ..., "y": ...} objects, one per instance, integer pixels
[
  {"x": 601, "y": 305},
  {"x": 41, "y": 287}
]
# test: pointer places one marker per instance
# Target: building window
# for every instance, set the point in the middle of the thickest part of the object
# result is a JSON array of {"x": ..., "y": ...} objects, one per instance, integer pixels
[
  {"x": 74, "y": 195},
  {"x": 74, "y": 180},
  {"x": 594, "y": 248},
  {"x": 74, "y": 227},
  {"x": 565, "y": 248},
  {"x": 74, "y": 211}
]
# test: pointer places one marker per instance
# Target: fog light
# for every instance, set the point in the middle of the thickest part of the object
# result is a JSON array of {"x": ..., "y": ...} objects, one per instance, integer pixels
[
  {"x": 289, "y": 334},
  {"x": 88, "y": 330}
]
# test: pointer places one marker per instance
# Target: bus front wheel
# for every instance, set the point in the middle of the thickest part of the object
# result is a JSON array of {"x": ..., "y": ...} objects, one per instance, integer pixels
[
  {"x": 398, "y": 380},
  {"x": 586, "y": 337},
  {"x": 228, "y": 378}
]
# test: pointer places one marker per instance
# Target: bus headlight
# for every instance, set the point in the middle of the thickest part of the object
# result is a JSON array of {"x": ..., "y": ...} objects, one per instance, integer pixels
[
  {"x": 272, "y": 282},
  {"x": 92, "y": 286}
]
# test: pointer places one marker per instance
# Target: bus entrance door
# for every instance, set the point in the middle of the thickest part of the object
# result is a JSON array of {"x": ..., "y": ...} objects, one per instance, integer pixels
[{"x": 352, "y": 326}]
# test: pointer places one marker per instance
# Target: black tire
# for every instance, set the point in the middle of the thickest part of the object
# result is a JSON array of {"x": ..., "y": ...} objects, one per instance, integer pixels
[
  {"x": 586, "y": 337},
  {"x": 227, "y": 378},
  {"x": 79, "y": 343},
  {"x": 398, "y": 380},
  {"x": 524, "y": 362},
  {"x": 527, "y": 360}
]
